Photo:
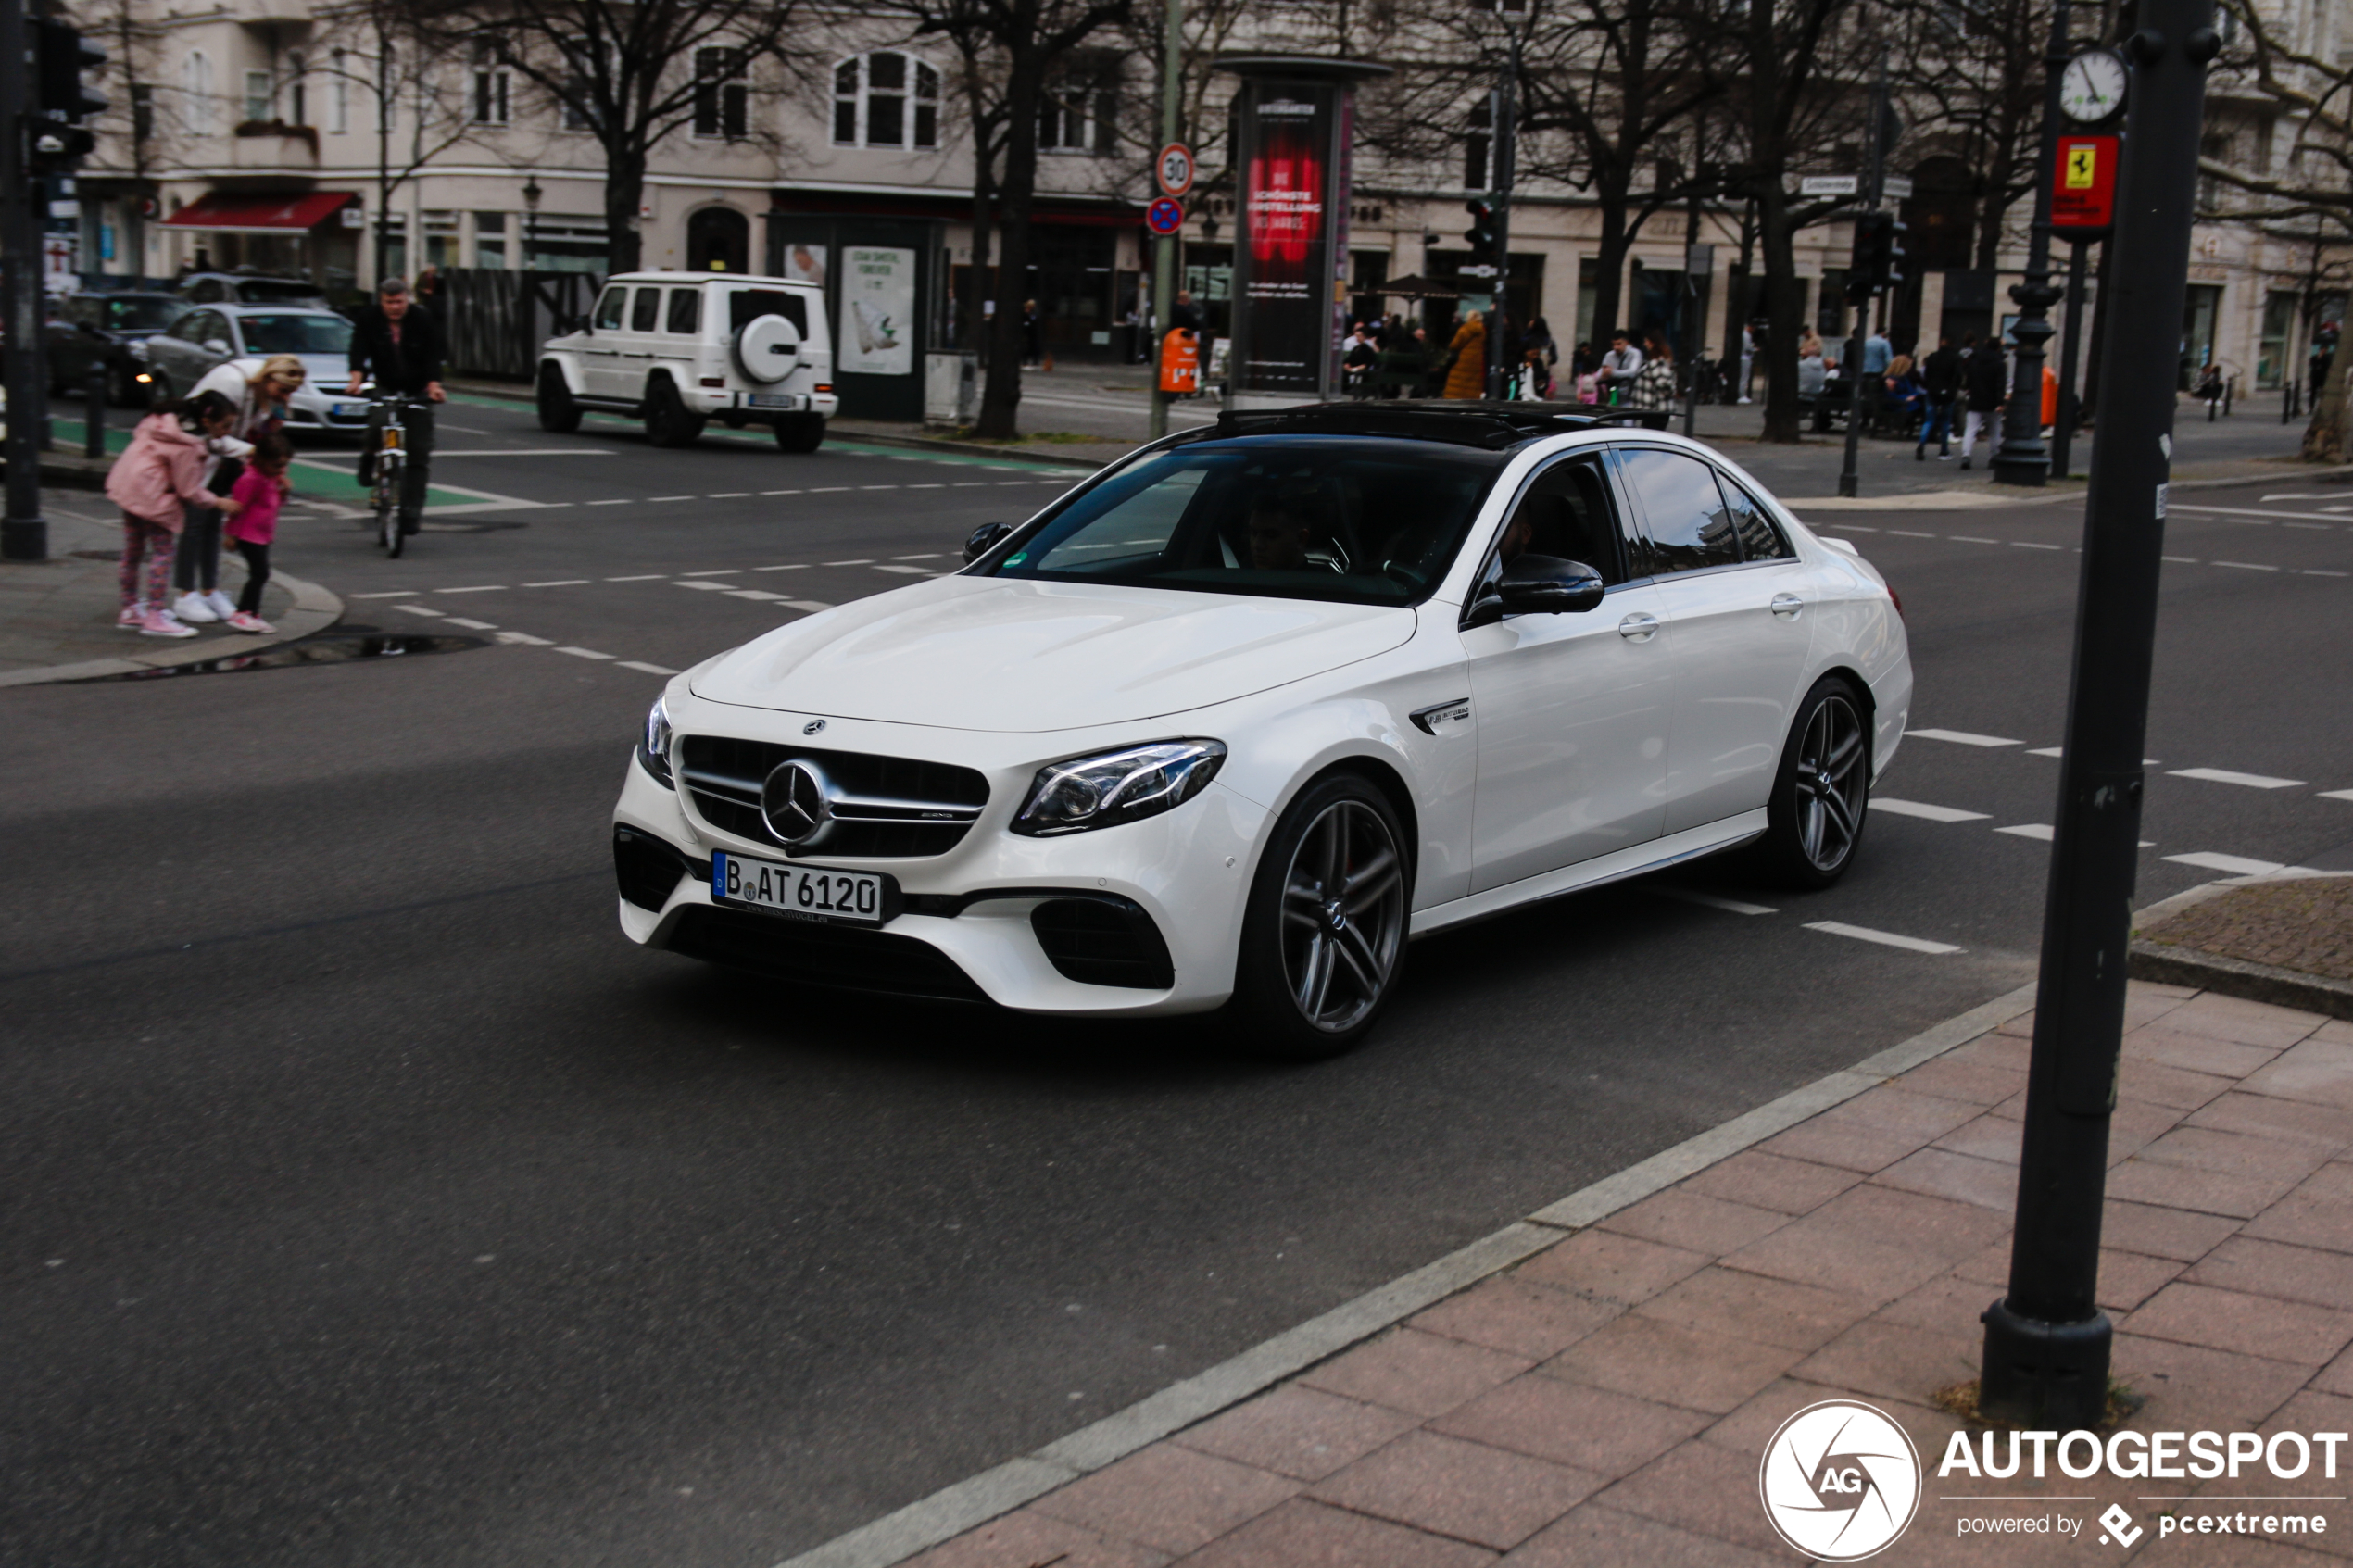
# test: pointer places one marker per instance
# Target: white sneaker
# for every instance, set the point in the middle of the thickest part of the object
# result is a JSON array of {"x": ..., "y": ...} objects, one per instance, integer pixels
[
  {"x": 220, "y": 604},
  {"x": 191, "y": 606}
]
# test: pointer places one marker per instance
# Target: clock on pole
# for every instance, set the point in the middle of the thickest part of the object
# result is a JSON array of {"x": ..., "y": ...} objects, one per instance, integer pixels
[{"x": 2091, "y": 86}]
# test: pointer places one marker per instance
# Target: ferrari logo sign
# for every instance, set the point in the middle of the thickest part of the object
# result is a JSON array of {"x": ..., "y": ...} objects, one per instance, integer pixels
[{"x": 2083, "y": 186}]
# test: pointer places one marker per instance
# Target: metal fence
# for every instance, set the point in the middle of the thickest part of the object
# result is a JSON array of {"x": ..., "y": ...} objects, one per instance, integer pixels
[{"x": 497, "y": 319}]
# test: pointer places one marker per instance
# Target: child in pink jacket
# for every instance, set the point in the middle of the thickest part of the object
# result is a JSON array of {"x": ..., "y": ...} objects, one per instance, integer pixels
[
  {"x": 163, "y": 467},
  {"x": 260, "y": 492}
]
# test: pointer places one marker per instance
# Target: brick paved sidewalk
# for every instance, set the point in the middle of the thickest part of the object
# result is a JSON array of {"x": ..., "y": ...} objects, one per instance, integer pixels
[{"x": 1607, "y": 1401}]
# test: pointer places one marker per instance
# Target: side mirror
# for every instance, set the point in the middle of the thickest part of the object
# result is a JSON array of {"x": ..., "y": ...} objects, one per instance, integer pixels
[
  {"x": 1547, "y": 585},
  {"x": 215, "y": 346},
  {"x": 983, "y": 539}
]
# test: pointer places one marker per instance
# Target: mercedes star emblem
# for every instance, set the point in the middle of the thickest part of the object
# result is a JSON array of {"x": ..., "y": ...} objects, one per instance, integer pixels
[
  {"x": 793, "y": 802},
  {"x": 811, "y": 727}
]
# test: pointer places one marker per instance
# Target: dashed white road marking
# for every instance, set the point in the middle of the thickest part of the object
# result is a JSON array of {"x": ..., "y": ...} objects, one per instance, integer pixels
[
  {"x": 559, "y": 582},
  {"x": 752, "y": 594},
  {"x": 585, "y": 653},
  {"x": 2223, "y": 775},
  {"x": 2047, "y": 751},
  {"x": 670, "y": 497},
  {"x": 780, "y": 492},
  {"x": 867, "y": 561},
  {"x": 1729, "y": 906},
  {"x": 2336, "y": 794},
  {"x": 2239, "y": 511},
  {"x": 713, "y": 571},
  {"x": 418, "y": 610},
  {"x": 2245, "y": 566},
  {"x": 1884, "y": 938},
  {"x": 811, "y": 606},
  {"x": 911, "y": 571},
  {"x": 796, "y": 566},
  {"x": 829, "y": 489},
  {"x": 700, "y": 583},
  {"x": 474, "y": 625},
  {"x": 1924, "y": 811},
  {"x": 641, "y": 577},
  {"x": 1910, "y": 534},
  {"x": 648, "y": 668},
  {"x": 928, "y": 555},
  {"x": 2237, "y": 865},
  {"x": 726, "y": 496},
  {"x": 1961, "y": 737},
  {"x": 2315, "y": 571},
  {"x": 394, "y": 594},
  {"x": 525, "y": 639},
  {"x": 2031, "y": 545},
  {"x": 1971, "y": 539},
  {"x": 479, "y": 588},
  {"x": 2179, "y": 561},
  {"x": 2042, "y": 830},
  {"x": 621, "y": 502}
]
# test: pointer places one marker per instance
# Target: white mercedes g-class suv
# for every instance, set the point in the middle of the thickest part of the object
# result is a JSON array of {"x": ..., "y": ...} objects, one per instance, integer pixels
[{"x": 680, "y": 349}]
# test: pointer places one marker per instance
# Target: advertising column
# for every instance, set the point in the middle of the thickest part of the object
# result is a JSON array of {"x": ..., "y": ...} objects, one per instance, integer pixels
[{"x": 1292, "y": 120}]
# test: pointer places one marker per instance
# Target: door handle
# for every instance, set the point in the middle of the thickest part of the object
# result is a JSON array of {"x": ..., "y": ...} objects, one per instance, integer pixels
[
  {"x": 1638, "y": 627},
  {"x": 1786, "y": 606}
]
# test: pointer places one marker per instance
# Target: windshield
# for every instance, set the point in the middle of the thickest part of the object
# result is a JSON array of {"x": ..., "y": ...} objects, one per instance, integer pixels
[
  {"x": 308, "y": 332},
  {"x": 143, "y": 315},
  {"x": 1356, "y": 520}
]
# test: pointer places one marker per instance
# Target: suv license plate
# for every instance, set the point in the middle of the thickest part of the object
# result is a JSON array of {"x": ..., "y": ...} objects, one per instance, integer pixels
[
  {"x": 773, "y": 400},
  {"x": 349, "y": 411},
  {"x": 799, "y": 892}
]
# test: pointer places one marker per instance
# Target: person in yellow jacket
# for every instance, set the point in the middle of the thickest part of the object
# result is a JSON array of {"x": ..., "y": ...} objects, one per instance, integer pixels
[{"x": 1466, "y": 377}]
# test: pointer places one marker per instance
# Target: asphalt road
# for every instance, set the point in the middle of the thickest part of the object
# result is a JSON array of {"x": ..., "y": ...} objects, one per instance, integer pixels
[{"x": 366, "y": 1199}]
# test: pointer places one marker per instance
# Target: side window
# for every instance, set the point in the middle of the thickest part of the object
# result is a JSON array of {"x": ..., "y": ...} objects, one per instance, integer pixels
[
  {"x": 686, "y": 311},
  {"x": 210, "y": 327},
  {"x": 747, "y": 306},
  {"x": 1565, "y": 513},
  {"x": 645, "y": 314},
  {"x": 1760, "y": 538},
  {"x": 185, "y": 328},
  {"x": 608, "y": 309},
  {"x": 1690, "y": 527}
]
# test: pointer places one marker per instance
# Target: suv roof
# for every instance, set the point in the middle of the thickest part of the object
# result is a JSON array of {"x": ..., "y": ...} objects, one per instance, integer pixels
[
  {"x": 1459, "y": 423},
  {"x": 676, "y": 277}
]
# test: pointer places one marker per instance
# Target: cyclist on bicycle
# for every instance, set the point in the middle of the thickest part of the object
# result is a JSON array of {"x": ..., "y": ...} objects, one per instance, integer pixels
[{"x": 399, "y": 343}]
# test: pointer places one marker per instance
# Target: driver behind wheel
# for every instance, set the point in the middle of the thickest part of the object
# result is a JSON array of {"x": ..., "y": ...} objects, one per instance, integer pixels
[{"x": 1279, "y": 528}]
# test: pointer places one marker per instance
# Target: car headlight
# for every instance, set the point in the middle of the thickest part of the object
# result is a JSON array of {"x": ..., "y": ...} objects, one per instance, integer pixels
[
  {"x": 1119, "y": 786},
  {"x": 653, "y": 746}
]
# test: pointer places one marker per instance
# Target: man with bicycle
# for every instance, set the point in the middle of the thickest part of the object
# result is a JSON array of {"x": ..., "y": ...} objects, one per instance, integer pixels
[{"x": 399, "y": 343}]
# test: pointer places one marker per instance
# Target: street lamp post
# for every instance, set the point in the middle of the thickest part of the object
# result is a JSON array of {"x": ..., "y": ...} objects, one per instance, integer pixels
[
  {"x": 2047, "y": 1341},
  {"x": 2022, "y": 457}
]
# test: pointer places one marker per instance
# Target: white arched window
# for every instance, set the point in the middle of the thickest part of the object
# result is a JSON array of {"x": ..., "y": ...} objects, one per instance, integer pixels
[
  {"x": 886, "y": 99},
  {"x": 196, "y": 91}
]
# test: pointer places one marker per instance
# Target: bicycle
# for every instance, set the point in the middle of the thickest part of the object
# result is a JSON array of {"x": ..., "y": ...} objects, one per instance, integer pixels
[{"x": 392, "y": 456}]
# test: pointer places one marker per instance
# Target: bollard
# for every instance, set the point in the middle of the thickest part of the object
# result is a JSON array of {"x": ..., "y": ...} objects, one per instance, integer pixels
[
  {"x": 2230, "y": 385},
  {"x": 93, "y": 411},
  {"x": 2287, "y": 402}
]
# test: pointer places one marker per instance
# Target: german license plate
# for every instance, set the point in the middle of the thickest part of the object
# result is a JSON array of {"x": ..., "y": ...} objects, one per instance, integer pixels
[
  {"x": 773, "y": 400},
  {"x": 349, "y": 411},
  {"x": 801, "y": 892}
]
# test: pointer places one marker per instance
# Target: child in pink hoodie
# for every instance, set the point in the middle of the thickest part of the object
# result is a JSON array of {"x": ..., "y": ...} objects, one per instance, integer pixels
[
  {"x": 163, "y": 467},
  {"x": 259, "y": 492}
]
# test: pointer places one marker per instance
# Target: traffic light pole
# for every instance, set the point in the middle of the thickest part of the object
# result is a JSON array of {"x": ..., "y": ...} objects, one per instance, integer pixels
[
  {"x": 2047, "y": 1341},
  {"x": 24, "y": 532},
  {"x": 1849, "y": 481},
  {"x": 1498, "y": 355},
  {"x": 2023, "y": 458}
]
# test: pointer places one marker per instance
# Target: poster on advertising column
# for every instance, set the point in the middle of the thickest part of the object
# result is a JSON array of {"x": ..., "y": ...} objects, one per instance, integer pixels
[
  {"x": 1284, "y": 273},
  {"x": 877, "y": 336}
]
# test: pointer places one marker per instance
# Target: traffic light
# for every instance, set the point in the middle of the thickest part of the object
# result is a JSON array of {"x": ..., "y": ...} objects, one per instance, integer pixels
[
  {"x": 57, "y": 148},
  {"x": 1878, "y": 262},
  {"x": 64, "y": 56},
  {"x": 1482, "y": 234}
]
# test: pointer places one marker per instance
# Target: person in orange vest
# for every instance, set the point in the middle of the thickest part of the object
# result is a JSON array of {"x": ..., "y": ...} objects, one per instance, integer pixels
[{"x": 2050, "y": 401}]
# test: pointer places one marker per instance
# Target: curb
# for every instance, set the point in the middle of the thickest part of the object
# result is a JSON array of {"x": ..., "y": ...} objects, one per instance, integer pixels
[
  {"x": 2148, "y": 960},
  {"x": 950, "y": 1511},
  {"x": 314, "y": 609}
]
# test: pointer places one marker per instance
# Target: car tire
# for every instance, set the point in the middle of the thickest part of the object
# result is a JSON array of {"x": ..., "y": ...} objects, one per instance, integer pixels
[
  {"x": 1324, "y": 932},
  {"x": 668, "y": 420},
  {"x": 1822, "y": 790},
  {"x": 800, "y": 432},
  {"x": 558, "y": 414}
]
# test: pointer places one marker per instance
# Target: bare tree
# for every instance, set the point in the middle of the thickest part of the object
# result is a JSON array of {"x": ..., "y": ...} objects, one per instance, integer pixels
[
  {"x": 1025, "y": 42},
  {"x": 1970, "y": 72},
  {"x": 131, "y": 40},
  {"x": 631, "y": 73},
  {"x": 399, "y": 66}
]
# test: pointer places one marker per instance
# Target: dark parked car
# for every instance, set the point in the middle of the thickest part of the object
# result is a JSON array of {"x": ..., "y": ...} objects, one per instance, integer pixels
[
  {"x": 237, "y": 288},
  {"x": 112, "y": 329}
]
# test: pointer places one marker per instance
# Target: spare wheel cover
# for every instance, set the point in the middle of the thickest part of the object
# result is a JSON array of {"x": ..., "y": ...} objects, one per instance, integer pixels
[{"x": 767, "y": 348}]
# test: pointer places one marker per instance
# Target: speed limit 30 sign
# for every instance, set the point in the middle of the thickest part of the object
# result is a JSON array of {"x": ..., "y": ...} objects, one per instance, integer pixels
[{"x": 1174, "y": 168}]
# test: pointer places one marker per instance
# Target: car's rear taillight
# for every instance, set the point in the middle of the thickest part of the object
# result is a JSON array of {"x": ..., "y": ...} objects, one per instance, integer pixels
[
  {"x": 825, "y": 386},
  {"x": 714, "y": 380},
  {"x": 1898, "y": 600}
]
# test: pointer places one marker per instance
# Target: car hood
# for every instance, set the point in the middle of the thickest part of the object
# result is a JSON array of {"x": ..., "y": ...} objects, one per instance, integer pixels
[{"x": 977, "y": 653}]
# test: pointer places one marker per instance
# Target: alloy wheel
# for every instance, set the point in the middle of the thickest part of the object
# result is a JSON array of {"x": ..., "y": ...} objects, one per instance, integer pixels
[
  {"x": 1829, "y": 780},
  {"x": 1343, "y": 916}
]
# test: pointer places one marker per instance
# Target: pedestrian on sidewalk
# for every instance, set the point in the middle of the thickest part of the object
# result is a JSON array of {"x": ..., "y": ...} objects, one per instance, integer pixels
[
  {"x": 261, "y": 403},
  {"x": 1986, "y": 389},
  {"x": 1651, "y": 385},
  {"x": 158, "y": 481},
  {"x": 260, "y": 491},
  {"x": 1941, "y": 378},
  {"x": 1467, "y": 359}
]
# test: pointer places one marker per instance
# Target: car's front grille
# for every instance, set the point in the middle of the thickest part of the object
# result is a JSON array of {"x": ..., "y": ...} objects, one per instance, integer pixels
[
  {"x": 815, "y": 954},
  {"x": 882, "y": 807}
]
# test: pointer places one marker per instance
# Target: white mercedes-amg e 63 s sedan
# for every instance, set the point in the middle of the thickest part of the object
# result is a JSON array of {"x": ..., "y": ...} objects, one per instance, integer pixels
[{"x": 1231, "y": 721}]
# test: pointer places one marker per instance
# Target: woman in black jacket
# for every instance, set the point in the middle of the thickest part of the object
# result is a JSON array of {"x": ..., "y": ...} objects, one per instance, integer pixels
[{"x": 1986, "y": 385}]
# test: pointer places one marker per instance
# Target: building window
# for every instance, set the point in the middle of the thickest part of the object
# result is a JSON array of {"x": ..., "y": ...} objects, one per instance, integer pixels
[
  {"x": 490, "y": 239},
  {"x": 441, "y": 238},
  {"x": 260, "y": 95},
  {"x": 196, "y": 91},
  {"x": 580, "y": 93},
  {"x": 1079, "y": 115},
  {"x": 721, "y": 95},
  {"x": 143, "y": 112},
  {"x": 338, "y": 92},
  {"x": 886, "y": 99},
  {"x": 493, "y": 83}
]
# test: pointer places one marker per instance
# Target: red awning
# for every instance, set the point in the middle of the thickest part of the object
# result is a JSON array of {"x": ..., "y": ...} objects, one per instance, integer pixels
[{"x": 225, "y": 214}]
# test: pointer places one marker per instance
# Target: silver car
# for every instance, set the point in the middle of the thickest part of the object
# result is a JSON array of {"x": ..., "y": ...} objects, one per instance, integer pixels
[{"x": 179, "y": 356}]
